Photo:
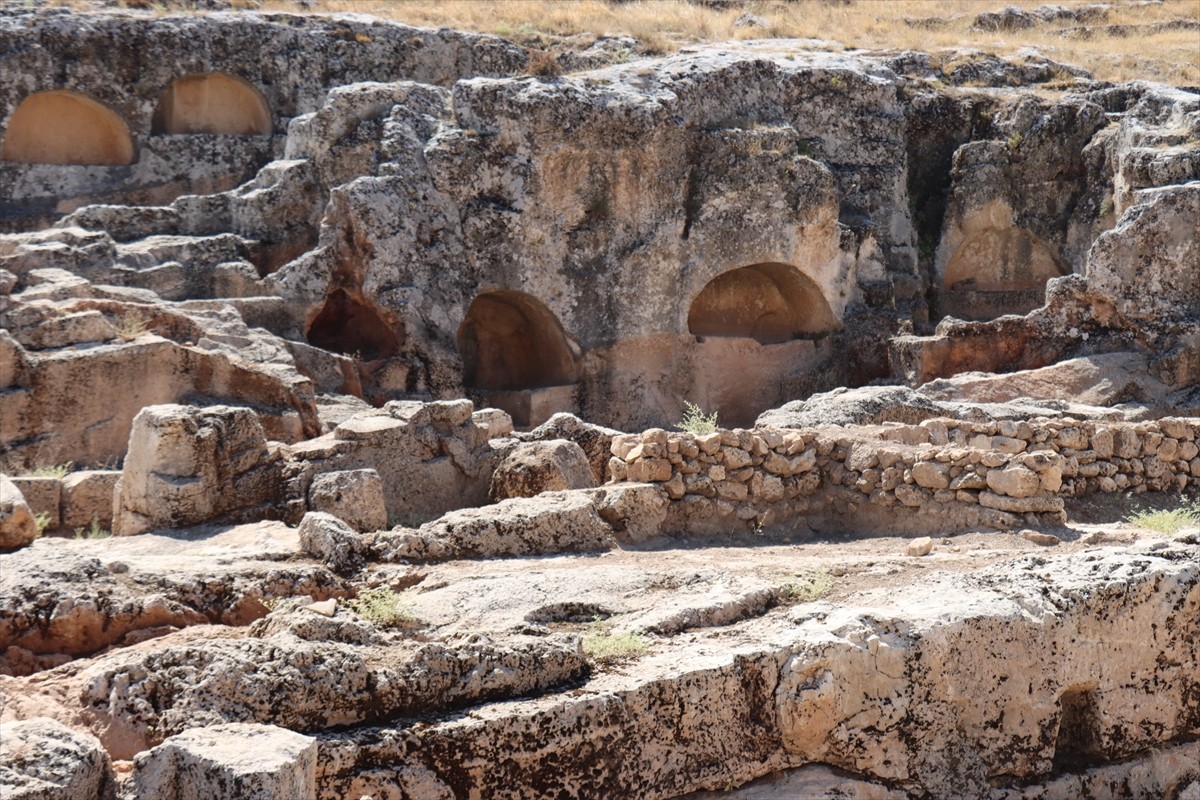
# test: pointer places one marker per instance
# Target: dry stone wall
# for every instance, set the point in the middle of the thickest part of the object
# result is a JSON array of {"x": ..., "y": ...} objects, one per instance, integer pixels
[{"x": 940, "y": 474}]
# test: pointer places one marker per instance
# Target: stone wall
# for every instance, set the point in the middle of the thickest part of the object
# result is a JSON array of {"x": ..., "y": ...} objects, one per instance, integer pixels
[{"x": 939, "y": 475}]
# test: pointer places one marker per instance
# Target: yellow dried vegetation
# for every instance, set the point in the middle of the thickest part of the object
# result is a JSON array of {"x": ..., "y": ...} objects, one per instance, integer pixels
[{"x": 1121, "y": 48}]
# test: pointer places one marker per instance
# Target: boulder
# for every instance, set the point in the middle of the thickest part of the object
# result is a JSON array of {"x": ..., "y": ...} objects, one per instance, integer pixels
[
  {"x": 87, "y": 496},
  {"x": 554, "y": 522},
  {"x": 596, "y": 440},
  {"x": 17, "y": 526},
  {"x": 1014, "y": 481},
  {"x": 1150, "y": 262},
  {"x": 354, "y": 496},
  {"x": 189, "y": 465},
  {"x": 535, "y": 467},
  {"x": 45, "y": 760},
  {"x": 333, "y": 541},
  {"x": 236, "y": 761}
]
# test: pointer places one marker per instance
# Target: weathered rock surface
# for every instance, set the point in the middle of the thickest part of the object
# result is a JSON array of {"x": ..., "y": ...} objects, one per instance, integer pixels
[
  {"x": 237, "y": 761},
  {"x": 354, "y": 496},
  {"x": 328, "y": 538},
  {"x": 45, "y": 760},
  {"x": 531, "y": 468},
  {"x": 187, "y": 465},
  {"x": 17, "y": 526},
  {"x": 553, "y": 522}
]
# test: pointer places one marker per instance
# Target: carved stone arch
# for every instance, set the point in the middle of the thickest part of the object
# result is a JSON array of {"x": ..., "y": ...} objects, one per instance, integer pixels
[
  {"x": 213, "y": 103},
  {"x": 511, "y": 341},
  {"x": 770, "y": 302},
  {"x": 64, "y": 127}
]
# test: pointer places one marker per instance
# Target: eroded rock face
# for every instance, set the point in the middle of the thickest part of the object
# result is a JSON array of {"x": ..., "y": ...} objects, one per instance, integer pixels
[
  {"x": 535, "y": 467},
  {"x": 237, "y": 760},
  {"x": 45, "y": 760},
  {"x": 17, "y": 526},
  {"x": 187, "y": 465},
  {"x": 1150, "y": 263},
  {"x": 354, "y": 496}
]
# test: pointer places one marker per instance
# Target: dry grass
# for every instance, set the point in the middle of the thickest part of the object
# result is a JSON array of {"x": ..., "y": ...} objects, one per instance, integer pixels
[{"x": 663, "y": 25}]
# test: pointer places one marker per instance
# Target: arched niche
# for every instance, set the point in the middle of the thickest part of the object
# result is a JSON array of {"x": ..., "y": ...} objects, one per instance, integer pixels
[
  {"x": 348, "y": 324},
  {"x": 63, "y": 127},
  {"x": 768, "y": 302},
  {"x": 510, "y": 341},
  {"x": 212, "y": 103},
  {"x": 1001, "y": 260}
]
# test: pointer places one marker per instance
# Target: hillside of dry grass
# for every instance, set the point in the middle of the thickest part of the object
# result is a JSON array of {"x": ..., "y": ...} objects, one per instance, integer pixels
[{"x": 1154, "y": 41}]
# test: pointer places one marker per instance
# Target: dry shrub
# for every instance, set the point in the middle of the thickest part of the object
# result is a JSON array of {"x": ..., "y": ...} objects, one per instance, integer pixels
[{"x": 543, "y": 64}]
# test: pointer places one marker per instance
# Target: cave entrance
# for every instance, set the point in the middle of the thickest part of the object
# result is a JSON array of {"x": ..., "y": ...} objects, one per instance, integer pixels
[
  {"x": 212, "y": 103},
  {"x": 998, "y": 271},
  {"x": 769, "y": 302},
  {"x": 350, "y": 325},
  {"x": 63, "y": 127},
  {"x": 1077, "y": 743},
  {"x": 517, "y": 357}
]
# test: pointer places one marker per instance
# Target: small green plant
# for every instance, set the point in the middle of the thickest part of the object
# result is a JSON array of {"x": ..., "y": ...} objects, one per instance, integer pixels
[
  {"x": 383, "y": 606},
  {"x": 807, "y": 587},
  {"x": 695, "y": 421},
  {"x": 59, "y": 471},
  {"x": 1167, "y": 521},
  {"x": 838, "y": 82},
  {"x": 130, "y": 326},
  {"x": 603, "y": 645},
  {"x": 93, "y": 531},
  {"x": 1014, "y": 142},
  {"x": 1107, "y": 206},
  {"x": 42, "y": 521}
]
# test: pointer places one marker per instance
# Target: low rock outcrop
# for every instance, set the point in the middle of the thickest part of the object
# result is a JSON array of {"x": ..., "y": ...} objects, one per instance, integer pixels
[
  {"x": 531, "y": 468},
  {"x": 45, "y": 760},
  {"x": 188, "y": 465},
  {"x": 237, "y": 760}
]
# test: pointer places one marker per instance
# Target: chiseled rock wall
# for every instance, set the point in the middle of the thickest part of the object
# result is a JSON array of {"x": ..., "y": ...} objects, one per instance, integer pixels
[
  {"x": 126, "y": 61},
  {"x": 951, "y": 474},
  {"x": 966, "y": 687}
]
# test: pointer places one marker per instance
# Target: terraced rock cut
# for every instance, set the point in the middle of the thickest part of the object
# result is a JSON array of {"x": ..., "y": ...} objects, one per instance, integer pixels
[{"x": 584, "y": 405}]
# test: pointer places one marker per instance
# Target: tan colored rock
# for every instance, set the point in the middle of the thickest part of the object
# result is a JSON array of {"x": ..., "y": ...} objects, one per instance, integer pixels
[
  {"x": 17, "y": 526},
  {"x": 493, "y": 421},
  {"x": 189, "y": 465},
  {"x": 1037, "y": 537},
  {"x": 922, "y": 546},
  {"x": 551, "y": 522},
  {"x": 1014, "y": 481},
  {"x": 555, "y": 465},
  {"x": 931, "y": 475},
  {"x": 88, "y": 496},
  {"x": 353, "y": 496},
  {"x": 237, "y": 761},
  {"x": 329, "y": 538},
  {"x": 44, "y": 496},
  {"x": 1022, "y": 505},
  {"x": 42, "y": 759}
]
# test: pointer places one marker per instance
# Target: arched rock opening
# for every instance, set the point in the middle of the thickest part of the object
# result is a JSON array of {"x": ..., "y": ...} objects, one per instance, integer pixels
[
  {"x": 510, "y": 341},
  {"x": 768, "y": 302},
  {"x": 1000, "y": 260},
  {"x": 212, "y": 103},
  {"x": 347, "y": 324},
  {"x": 997, "y": 271},
  {"x": 62, "y": 127}
]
